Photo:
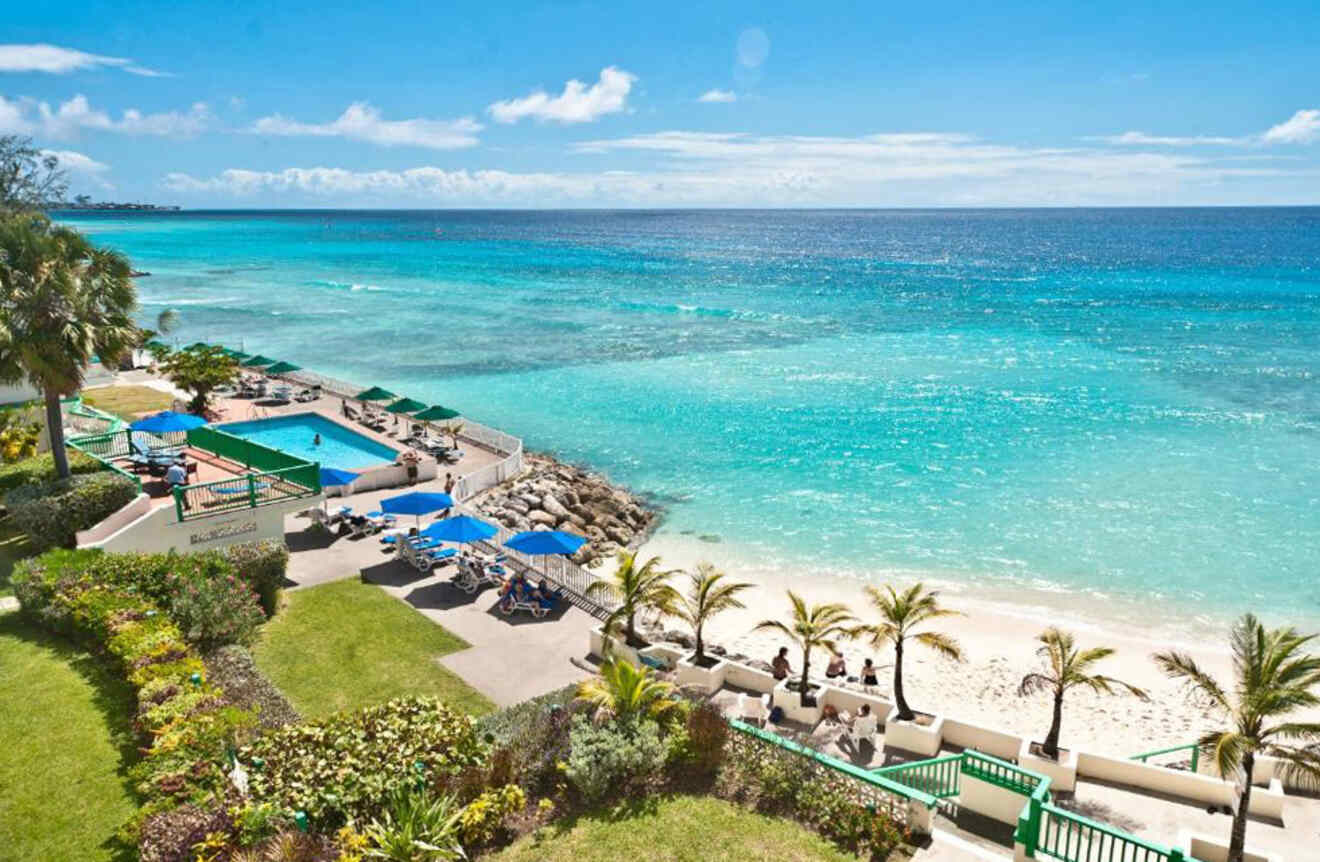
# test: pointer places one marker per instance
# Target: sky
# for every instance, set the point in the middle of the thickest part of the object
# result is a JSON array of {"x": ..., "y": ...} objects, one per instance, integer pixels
[{"x": 620, "y": 104}]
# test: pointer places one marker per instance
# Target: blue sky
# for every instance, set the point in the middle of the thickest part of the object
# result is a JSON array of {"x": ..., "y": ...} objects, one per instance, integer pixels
[{"x": 647, "y": 104}]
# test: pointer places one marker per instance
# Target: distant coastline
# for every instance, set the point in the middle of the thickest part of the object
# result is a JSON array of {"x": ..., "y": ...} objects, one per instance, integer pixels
[{"x": 112, "y": 206}]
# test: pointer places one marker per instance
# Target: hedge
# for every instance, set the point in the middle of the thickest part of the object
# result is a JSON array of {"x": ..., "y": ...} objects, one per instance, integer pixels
[
  {"x": 52, "y": 513},
  {"x": 41, "y": 468}
]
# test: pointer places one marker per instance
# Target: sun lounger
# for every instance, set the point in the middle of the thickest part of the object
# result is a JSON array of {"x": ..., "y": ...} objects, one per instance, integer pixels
[{"x": 305, "y": 395}]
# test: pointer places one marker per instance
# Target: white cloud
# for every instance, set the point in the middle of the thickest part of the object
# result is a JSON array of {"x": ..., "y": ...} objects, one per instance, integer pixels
[
  {"x": 1302, "y": 127},
  {"x": 362, "y": 122},
  {"x": 29, "y": 117},
  {"x": 82, "y": 166},
  {"x": 718, "y": 96},
  {"x": 56, "y": 60},
  {"x": 732, "y": 169},
  {"x": 1139, "y": 139},
  {"x": 577, "y": 104}
]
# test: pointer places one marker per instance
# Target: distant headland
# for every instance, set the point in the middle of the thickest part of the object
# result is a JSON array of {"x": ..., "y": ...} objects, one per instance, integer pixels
[{"x": 82, "y": 202}]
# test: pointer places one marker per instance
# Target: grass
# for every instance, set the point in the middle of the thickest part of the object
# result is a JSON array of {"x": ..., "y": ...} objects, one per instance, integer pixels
[
  {"x": 13, "y": 547},
  {"x": 672, "y": 829},
  {"x": 348, "y": 644},
  {"x": 127, "y": 402},
  {"x": 64, "y": 719}
]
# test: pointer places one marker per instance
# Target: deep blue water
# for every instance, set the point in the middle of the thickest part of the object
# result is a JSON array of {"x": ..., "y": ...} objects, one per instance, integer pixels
[{"x": 1113, "y": 402}]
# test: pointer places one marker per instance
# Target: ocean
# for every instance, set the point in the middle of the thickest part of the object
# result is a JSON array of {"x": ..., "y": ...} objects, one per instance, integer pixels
[{"x": 1116, "y": 407}]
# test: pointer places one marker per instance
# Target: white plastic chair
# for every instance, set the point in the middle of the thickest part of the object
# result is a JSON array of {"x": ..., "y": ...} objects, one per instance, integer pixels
[
  {"x": 754, "y": 709},
  {"x": 863, "y": 729}
]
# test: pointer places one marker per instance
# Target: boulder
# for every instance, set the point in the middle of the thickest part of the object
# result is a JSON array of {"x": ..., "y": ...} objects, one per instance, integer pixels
[
  {"x": 531, "y": 500},
  {"x": 622, "y": 535},
  {"x": 553, "y": 506},
  {"x": 518, "y": 505},
  {"x": 539, "y": 516},
  {"x": 683, "y": 639}
]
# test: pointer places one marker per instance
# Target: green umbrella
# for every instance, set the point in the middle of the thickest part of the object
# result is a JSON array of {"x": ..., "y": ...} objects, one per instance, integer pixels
[
  {"x": 256, "y": 361},
  {"x": 405, "y": 405},
  {"x": 153, "y": 343},
  {"x": 375, "y": 393},
  {"x": 236, "y": 354},
  {"x": 197, "y": 345},
  {"x": 436, "y": 413},
  {"x": 283, "y": 368}
]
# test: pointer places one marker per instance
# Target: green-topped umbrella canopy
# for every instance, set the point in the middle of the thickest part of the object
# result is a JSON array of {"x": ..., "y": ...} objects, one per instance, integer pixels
[
  {"x": 154, "y": 344},
  {"x": 236, "y": 354},
  {"x": 375, "y": 393},
  {"x": 436, "y": 413},
  {"x": 283, "y": 368},
  {"x": 405, "y": 405},
  {"x": 257, "y": 361},
  {"x": 197, "y": 345}
]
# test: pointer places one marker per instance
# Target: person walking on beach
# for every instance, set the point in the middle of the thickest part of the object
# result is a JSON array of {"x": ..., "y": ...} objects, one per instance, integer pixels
[{"x": 780, "y": 664}]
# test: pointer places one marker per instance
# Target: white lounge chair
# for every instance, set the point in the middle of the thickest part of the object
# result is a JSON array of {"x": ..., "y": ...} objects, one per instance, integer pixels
[
  {"x": 863, "y": 730},
  {"x": 754, "y": 709}
]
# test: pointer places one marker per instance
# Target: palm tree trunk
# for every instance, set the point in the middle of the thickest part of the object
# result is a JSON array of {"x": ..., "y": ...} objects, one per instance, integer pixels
[
  {"x": 630, "y": 636},
  {"x": 1238, "y": 839},
  {"x": 1051, "y": 746},
  {"x": 806, "y": 665},
  {"x": 55, "y": 432},
  {"x": 904, "y": 711},
  {"x": 700, "y": 653}
]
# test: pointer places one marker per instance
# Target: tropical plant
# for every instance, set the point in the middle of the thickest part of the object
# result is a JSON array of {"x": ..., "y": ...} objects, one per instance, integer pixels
[
  {"x": 900, "y": 615},
  {"x": 452, "y": 430},
  {"x": 622, "y": 690},
  {"x": 707, "y": 596},
  {"x": 200, "y": 370},
  {"x": 63, "y": 303},
  {"x": 638, "y": 588},
  {"x": 30, "y": 178},
  {"x": 1273, "y": 678},
  {"x": 1066, "y": 668},
  {"x": 617, "y": 759},
  {"x": 812, "y": 627},
  {"x": 416, "y": 827},
  {"x": 19, "y": 435}
]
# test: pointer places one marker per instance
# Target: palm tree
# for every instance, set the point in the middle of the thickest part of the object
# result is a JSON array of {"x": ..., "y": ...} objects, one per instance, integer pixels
[
  {"x": 638, "y": 588},
  {"x": 900, "y": 614},
  {"x": 707, "y": 596},
  {"x": 1273, "y": 679},
  {"x": 812, "y": 627},
  {"x": 63, "y": 303},
  {"x": 1066, "y": 668},
  {"x": 623, "y": 690}
]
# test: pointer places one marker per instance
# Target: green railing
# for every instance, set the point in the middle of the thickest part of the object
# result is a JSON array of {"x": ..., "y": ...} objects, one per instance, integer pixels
[
  {"x": 1194, "y": 748},
  {"x": 1074, "y": 838},
  {"x": 938, "y": 777},
  {"x": 875, "y": 782},
  {"x": 96, "y": 442},
  {"x": 245, "y": 492},
  {"x": 249, "y": 453},
  {"x": 1003, "y": 774}
]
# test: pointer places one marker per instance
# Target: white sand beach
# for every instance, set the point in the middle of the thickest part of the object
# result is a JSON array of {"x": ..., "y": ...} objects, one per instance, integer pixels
[{"x": 998, "y": 639}]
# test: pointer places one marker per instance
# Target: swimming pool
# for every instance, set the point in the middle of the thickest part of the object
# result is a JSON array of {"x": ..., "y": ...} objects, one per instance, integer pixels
[{"x": 340, "y": 447}]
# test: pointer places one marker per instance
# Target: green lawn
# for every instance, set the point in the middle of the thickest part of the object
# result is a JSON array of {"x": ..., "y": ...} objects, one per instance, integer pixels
[
  {"x": 348, "y": 644},
  {"x": 128, "y": 401},
  {"x": 13, "y": 547},
  {"x": 675, "y": 829},
  {"x": 64, "y": 720}
]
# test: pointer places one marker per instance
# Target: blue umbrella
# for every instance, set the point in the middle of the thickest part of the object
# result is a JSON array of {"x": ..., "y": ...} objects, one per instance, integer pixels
[
  {"x": 461, "y": 528},
  {"x": 331, "y": 478},
  {"x": 417, "y": 503},
  {"x": 166, "y": 421},
  {"x": 542, "y": 542}
]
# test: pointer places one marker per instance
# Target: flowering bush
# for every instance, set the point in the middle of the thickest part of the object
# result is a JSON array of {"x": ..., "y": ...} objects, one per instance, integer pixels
[
  {"x": 342, "y": 767},
  {"x": 212, "y": 611},
  {"x": 261, "y": 565}
]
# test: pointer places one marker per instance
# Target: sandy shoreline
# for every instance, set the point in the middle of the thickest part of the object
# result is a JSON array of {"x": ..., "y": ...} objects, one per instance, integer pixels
[{"x": 998, "y": 639}]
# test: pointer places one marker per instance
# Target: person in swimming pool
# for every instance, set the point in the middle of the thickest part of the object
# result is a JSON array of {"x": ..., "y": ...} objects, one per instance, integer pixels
[{"x": 316, "y": 439}]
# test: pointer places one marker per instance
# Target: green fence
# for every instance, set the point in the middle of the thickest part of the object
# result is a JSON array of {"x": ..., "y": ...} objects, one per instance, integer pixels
[
  {"x": 1194, "y": 749},
  {"x": 1073, "y": 838},
  {"x": 938, "y": 777},
  {"x": 249, "y": 453},
  {"x": 245, "y": 492},
  {"x": 97, "y": 446}
]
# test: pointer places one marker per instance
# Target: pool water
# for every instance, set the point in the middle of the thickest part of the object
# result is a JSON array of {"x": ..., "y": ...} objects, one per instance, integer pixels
[{"x": 340, "y": 447}]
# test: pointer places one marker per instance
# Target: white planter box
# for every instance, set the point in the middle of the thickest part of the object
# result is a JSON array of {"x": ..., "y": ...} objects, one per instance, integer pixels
[
  {"x": 1062, "y": 773},
  {"x": 618, "y": 647},
  {"x": 791, "y": 703},
  {"x": 708, "y": 679},
  {"x": 1209, "y": 848},
  {"x": 924, "y": 739}
]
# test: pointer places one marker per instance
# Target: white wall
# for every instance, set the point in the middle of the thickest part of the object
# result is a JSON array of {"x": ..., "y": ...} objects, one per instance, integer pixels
[
  {"x": 116, "y": 521},
  {"x": 996, "y": 743},
  {"x": 1206, "y": 789},
  {"x": 991, "y": 800},
  {"x": 17, "y": 393},
  {"x": 1207, "y": 848},
  {"x": 160, "y": 530}
]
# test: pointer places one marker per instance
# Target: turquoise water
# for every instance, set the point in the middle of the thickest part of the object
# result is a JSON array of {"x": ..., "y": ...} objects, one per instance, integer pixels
[
  {"x": 339, "y": 447},
  {"x": 1118, "y": 403}
]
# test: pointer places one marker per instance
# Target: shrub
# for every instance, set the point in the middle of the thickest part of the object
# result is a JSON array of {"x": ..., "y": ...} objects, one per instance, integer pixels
[
  {"x": 531, "y": 739},
  {"x": 615, "y": 758},
  {"x": 213, "y": 611},
  {"x": 414, "y": 826},
  {"x": 482, "y": 818},
  {"x": 395, "y": 745},
  {"x": 51, "y": 513},
  {"x": 232, "y": 669},
  {"x": 262, "y": 565},
  {"x": 698, "y": 752},
  {"x": 41, "y": 469}
]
